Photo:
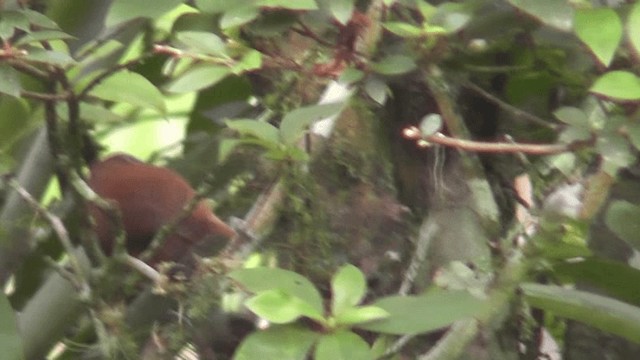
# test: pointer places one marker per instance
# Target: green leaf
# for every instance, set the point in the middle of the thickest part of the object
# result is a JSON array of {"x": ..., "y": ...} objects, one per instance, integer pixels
[
  {"x": 202, "y": 42},
  {"x": 279, "y": 307},
  {"x": 601, "y": 30},
  {"x": 615, "y": 152},
  {"x": 10, "y": 341},
  {"x": 633, "y": 28},
  {"x": 618, "y": 85},
  {"x": 351, "y": 75},
  {"x": 125, "y": 10},
  {"x": 634, "y": 134},
  {"x": 348, "y": 288},
  {"x": 614, "y": 278},
  {"x": 226, "y": 147},
  {"x": 288, "y": 4},
  {"x": 44, "y": 35},
  {"x": 430, "y": 124},
  {"x": 98, "y": 114},
  {"x": 9, "y": 81},
  {"x": 260, "y": 129},
  {"x": 419, "y": 314},
  {"x": 342, "y": 345},
  {"x": 10, "y": 21},
  {"x": 288, "y": 342},
  {"x": 239, "y": 16},
  {"x": 295, "y": 122},
  {"x": 598, "y": 311},
  {"x": 51, "y": 57},
  {"x": 197, "y": 78},
  {"x": 250, "y": 60},
  {"x": 377, "y": 89},
  {"x": 572, "y": 116},
  {"x": 404, "y": 29},
  {"x": 622, "y": 218},
  {"x": 358, "y": 315},
  {"x": 131, "y": 88},
  {"x": 394, "y": 65},
  {"x": 261, "y": 279},
  {"x": 555, "y": 13},
  {"x": 341, "y": 10}
]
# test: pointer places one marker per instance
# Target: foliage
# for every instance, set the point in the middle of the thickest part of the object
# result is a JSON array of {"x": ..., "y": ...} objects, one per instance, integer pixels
[{"x": 545, "y": 88}]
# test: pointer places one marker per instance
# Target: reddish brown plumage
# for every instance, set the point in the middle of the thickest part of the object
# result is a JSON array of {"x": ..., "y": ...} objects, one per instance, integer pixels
[{"x": 149, "y": 197}]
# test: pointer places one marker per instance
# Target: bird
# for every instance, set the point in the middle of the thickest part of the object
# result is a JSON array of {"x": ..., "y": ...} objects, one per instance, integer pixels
[{"x": 149, "y": 197}]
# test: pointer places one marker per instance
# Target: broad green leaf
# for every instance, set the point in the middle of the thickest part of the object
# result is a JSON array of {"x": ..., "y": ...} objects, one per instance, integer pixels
[
  {"x": 44, "y": 35},
  {"x": 598, "y": 311},
  {"x": 377, "y": 90},
  {"x": 131, "y": 88},
  {"x": 295, "y": 122},
  {"x": 9, "y": 81},
  {"x": 572, "y": 116},
  {"x": 394, "y": 65},
  {"x": 10, "y": 341},
  {"x": 351, "y": 75},
  {"x": 98, "y": 114},
  {"x": 226, "y": 147},
  {"x": 358, "y": 315},
  {"x": 404, "y": 29},
  {"x": 341, "y": 10},
  {"x": 259, "y": 129},
  {"x": 342, "y": 345},
  {"x": 261, "y": 279},
  {"x": 633, "y": 28},
  {"x": 51, "y": 57},
  {"x": 239, "y": 16},
  {"x": 615, "y": 152},
  {"x": 250, "y": 60},
  {"x": 618, "y": 85},
  {"x": 290, "y": 342},
  {"x": 11, "y": 20},
  {"x": 450, "y": 17},
  {"x": 601, "y": 30},
  {"x": 430, "y": 124},
  {"x": 125, "y": 10},
  {"x": 202, "y": 42},
  {"x": 288, "y": 4},
  {"x": 279, "y": 307},
  {"x": 617, "y": 279},
  {"x": 348, "y": 288},
  {"x": 623, "y": 219},
  {"x": 419, "y": 314},
  {"x": 555, "y": 13},
  {"x": 197, "y": 78},
  {"x": 39, "y": 19}
]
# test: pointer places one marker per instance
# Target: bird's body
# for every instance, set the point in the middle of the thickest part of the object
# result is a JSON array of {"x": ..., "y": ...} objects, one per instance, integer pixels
[{"x": 150, "y": 197}]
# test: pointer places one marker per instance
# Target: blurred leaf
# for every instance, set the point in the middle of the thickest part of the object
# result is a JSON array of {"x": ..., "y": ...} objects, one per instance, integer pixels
[
  {"x": 341, "y": 10},
  {"x": 634, "y": 134},
  {"x": 15, "y": 122},
  {"x": 633, "y": 28},
  {"x": 358, "y": 315},
  {"x": 601, "y": 30},
  {"x": 239, "y": 16},
  {"x": 430, "y": 124},
  {"x": 348, "y": 288},
  {"x": 9, "y": 81},
  {"x": 226, "y": 147},
  {"x": 261, "y": 279},
  {"x": 288, "y": 4},
  {"x": 51, "y": 57},
  {"x": 404, "y": 29},
  {"x": 44, "y": 35},
  {"x": 394, "y": 65},
  {"x": 351, "y": 75},
  {"x": 260, "y": 129},
  {"x": 197, "y": 78},
  {"x": 131, "y": 88},
  {"x": 623, "y": 219},
  {"x": 98, "y": 114},
  {"x": 342, "y": 345},
  {"x": 11, "y": 20},
  {"x": 555, "y": 13},
  {"x": 279, "y": 307},
  {"x": 618, "y": 85},
  {"x": 125, "y": 10},
  {"x": 571, "y": 116},
  {"x": 450, "y": 17},
  {"x": 295, "y": 122},
  {"x": 250, "y": 60},
  {"x": 615, "y": 151},
  {"x": 617, "y": 279},
  {"x": 39, "y": 19},
  {"x": 202, "y": 42},
  {"x": 377, "y": 90},
  {"x": 419, "y": 314},
  {"x": 10, "y": 341},
  {"x": 598, "y": 311},
  {"x": 562, "y": 238},
  {"x": 288, "y": 342}
]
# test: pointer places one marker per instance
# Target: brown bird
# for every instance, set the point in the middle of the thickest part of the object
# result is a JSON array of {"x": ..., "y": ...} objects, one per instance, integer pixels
[{"x": 150, "y": 197}]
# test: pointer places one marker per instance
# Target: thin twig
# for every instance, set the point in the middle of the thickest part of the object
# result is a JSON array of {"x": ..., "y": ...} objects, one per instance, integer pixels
[{"x": 98, "y": 79}]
